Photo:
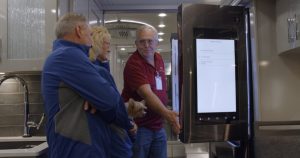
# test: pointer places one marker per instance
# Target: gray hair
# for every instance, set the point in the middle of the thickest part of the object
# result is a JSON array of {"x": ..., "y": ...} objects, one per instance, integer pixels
[
  {"x": 146, "y": 28},
  {"x": 67, "y": 23}
]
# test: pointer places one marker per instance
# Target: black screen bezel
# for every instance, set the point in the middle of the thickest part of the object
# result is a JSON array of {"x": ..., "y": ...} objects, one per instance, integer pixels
[{"x": 216, "y": 33}]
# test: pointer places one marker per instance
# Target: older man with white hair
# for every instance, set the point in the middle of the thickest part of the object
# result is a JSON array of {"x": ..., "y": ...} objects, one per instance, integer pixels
[
  {"x": 144, "y": 79},
  {"x": 69, "y": 79}
]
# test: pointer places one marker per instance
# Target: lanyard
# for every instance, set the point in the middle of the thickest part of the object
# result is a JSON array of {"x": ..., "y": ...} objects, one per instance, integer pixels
[{"x": 158, "y": 81}]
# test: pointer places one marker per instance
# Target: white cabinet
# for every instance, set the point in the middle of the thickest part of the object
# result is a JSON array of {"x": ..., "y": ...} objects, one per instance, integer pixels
[
  {"x": 27, "y": 29},
  {"x": 26, "y": 33},
  {"x": 287, "y": 26}
]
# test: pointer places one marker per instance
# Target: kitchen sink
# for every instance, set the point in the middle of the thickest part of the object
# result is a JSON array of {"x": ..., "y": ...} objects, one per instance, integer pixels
[
  {"x": 19, "y": 144},
  {"x": 19, "y": 147}
]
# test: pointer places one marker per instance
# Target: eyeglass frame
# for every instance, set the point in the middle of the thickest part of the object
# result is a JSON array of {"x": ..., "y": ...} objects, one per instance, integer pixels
[{"x": 148, "y": 41}]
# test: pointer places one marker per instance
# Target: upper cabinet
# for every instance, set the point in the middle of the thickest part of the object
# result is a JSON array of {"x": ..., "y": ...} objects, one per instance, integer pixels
[
  {"x": 26, "y": 33},
  {"x": 27, "y": 29},
  {"x": 288, "y": 26}
]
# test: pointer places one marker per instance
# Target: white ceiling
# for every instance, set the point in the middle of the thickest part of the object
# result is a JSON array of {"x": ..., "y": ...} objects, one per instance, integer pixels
[
  {"x": 146, "y": 11},
  {"x": 150, "y": 18},
  {"x": 148, "y": 4}
]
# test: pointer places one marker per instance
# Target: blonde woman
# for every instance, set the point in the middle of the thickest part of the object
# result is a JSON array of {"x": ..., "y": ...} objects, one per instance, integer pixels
[
  {"x": 99, "y": 53},
  {"x": 120, "y": 137}
]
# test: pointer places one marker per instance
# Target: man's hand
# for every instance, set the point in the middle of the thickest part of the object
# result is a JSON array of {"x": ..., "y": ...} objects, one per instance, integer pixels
[
  {"x": 172, "y": 118},
  {"x": 87, "y": 107},
  {"x": 136, "y": 109}
]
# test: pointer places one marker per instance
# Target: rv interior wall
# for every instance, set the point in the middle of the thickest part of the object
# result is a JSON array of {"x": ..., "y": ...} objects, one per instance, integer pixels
[{"x": 277, "y": 82}]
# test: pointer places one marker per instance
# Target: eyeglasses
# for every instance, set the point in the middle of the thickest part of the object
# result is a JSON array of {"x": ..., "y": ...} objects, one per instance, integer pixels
[{"x": 149, "y": 41}]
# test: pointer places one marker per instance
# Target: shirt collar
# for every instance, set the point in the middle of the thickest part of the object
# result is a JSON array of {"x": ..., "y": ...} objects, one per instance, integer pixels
[{"x": 57, "y": 43}]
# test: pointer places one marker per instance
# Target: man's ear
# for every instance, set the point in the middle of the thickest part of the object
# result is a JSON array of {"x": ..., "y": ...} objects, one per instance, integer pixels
[{"x": 78, "y": 31}]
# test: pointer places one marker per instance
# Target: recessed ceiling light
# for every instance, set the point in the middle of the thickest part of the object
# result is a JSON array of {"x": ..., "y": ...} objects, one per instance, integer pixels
[
  {"x": 264, "y": 63},
  {"x": 122, "y": 49},
  {"x": 160, "y": 33},
  {"x": 160, "y": 39},
  {"x": 161, "y": 25},
  {"x": 162, "y": 14},
  {"x": 93, "y": 22},
  {"x": 53, "y": 10}
]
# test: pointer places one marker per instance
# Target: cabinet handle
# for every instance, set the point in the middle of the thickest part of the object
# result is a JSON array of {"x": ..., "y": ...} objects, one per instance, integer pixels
[
  {"x": 296, "y": 31},
  {"x": 290, "y": 34},
  {"x": 0, "y": 49},
  {"x": 292, "y": 29}
]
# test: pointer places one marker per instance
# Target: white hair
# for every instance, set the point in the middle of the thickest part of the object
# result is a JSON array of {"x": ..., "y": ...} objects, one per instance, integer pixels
[
  {"x": 67, "y": 23},
  {"x": 146, "y": 28}
]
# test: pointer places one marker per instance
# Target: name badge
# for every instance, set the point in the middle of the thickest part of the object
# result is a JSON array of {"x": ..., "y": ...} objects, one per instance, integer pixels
[{"x": 158, "y": 82}]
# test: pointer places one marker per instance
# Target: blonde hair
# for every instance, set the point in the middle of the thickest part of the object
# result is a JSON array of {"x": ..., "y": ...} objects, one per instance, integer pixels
[{"x": 99, "y": 33}]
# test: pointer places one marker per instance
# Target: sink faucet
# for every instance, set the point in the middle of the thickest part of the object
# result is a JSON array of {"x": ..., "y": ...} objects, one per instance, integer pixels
[
  {"x": 26, "y": 102},
  {"x": 32, "y": 124}
]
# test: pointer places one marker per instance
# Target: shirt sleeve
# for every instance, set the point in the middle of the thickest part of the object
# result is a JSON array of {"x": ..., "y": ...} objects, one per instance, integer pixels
[
  {"x": 122, "y": 119},
  {"x": 78, "y": 72}
]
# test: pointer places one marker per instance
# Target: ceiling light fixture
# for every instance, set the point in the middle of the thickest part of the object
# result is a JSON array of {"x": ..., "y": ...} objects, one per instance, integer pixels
[
  {"x": 128, "y": 21},
  {"x": 122, "y": 49},
  {"x": 137, "y": 22},
  {"x": 160, "y": 33},
  {"x": 53, "y": 11},
  {"x": 161, "y": 25},
  {"x": 160, "y": 39},
  {"x": 162, "y": 14},
  {"x": 93, "y": 22},
  {"x": 110, "y": 21}
]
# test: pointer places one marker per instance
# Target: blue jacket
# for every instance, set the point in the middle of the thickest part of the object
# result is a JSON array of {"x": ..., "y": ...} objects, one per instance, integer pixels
[
  {"x": 102, "y": 64},
  {"x": 69, "y": 78},
  {"x": 121, "y": 140}
]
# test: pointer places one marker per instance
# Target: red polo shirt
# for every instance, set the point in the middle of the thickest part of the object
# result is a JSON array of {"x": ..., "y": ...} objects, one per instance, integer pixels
[{"x": 138, "y": 72}]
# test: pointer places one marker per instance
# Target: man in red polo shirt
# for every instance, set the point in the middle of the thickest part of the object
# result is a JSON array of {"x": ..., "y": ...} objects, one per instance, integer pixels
[{"x": 144, "y": 79}]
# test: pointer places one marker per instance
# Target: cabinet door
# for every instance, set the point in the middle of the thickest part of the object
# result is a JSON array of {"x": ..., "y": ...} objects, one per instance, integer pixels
[
  {"x": 296, "y": 10},
  {"x": 26, "y": 33},
  {"x": 287, "y": 24},
  {"x": 282, "y": 26}
]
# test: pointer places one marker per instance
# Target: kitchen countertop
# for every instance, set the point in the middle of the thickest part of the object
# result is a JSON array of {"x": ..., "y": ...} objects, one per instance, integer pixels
[{"x": 29, "y": 152}]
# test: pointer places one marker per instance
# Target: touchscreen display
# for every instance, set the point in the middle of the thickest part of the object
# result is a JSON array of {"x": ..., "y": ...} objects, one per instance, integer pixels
[{"x": 216, "y": 75}]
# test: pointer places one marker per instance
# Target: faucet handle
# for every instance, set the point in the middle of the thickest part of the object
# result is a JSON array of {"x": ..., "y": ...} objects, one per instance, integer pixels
[
  {"x": 41, "y": 121},
  {"x": 32, "y": 124}
]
